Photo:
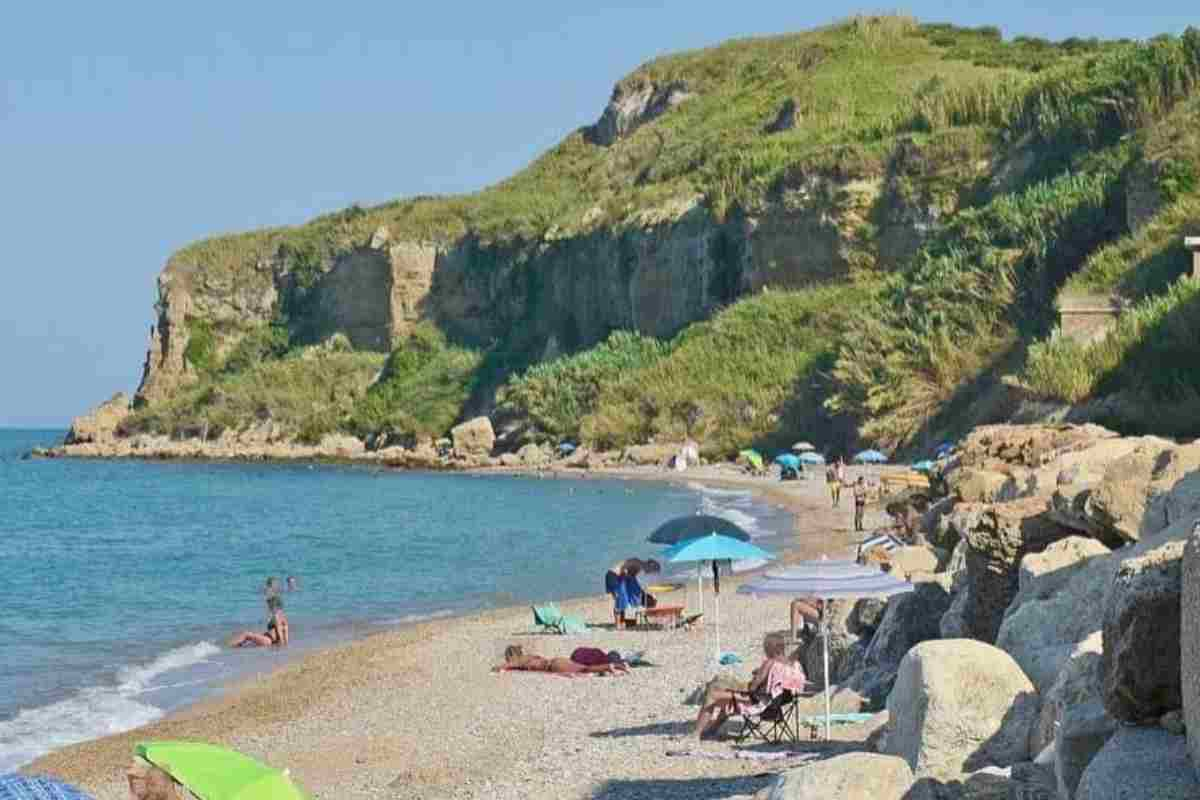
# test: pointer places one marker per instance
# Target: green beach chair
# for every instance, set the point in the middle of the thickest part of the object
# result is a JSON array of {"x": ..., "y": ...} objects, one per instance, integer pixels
[{"x": 550, "y": 619}]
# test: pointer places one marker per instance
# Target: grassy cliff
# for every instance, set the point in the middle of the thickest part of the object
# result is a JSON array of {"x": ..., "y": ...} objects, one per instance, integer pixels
[{"x": 1021, "y": 156}]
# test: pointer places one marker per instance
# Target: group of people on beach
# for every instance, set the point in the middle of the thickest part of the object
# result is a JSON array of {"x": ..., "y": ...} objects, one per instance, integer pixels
[{"x": 278, "y": 632}]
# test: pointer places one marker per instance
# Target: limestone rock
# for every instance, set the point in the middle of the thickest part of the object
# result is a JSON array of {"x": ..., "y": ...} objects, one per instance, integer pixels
[
  {"x": 786, "y": 118},
  {"x": 1189, "y": 636},
  {"x": 473, "y": 438},
  {"x": 998, "y": 536},
  {"x": 633, "y": 105},
  {"x": 981, "y": 486},
  {"x": 1142, "y": 635},
  {"x": 954, "y": 623},
  {"x": 532, "y": 455},
  {"x": 1142, "y": 494},
  {"x": 99, "y": 424},
  {"x": 854, "y": 776},
  {"x": 341, "y": 446},
  {"x": 649, "y": 454},
  {"x": 906, "y": 561},
  {"x": 510, "y": 460},
  {"x": 959, "y": 705},
  {"x": 1031, "y": 446},
  {"x": 1041, "y": 574},
  {"x": 1147, "y": 763}
]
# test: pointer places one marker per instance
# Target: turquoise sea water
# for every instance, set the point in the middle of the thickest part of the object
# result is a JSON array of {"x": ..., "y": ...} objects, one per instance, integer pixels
[{"x": 120, "y": 580}]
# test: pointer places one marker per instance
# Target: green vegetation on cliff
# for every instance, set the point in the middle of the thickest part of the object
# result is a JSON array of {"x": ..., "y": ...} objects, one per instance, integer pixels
[{"x": 1014, "y": 167}]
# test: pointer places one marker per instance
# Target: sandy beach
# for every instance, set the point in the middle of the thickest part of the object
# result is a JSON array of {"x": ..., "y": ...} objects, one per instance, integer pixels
[{"x": 416, "y": 713}]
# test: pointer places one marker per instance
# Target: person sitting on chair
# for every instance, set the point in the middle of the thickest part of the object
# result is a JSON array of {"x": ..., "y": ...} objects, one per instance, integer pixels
[
  {"x": 806, "y": 614},
  {"x": 773, "y": 677}
]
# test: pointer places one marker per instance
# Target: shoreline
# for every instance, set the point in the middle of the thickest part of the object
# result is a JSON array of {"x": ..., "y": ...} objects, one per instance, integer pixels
[{"x": 263, "y": 699}]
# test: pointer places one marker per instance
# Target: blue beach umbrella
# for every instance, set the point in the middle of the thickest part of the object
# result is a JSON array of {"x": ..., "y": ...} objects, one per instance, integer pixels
[
  {"x": 788, "y": 460},
  {"x": 812, "y": 458},
  {"x": 715, "y": 548},
  {"x": 24, "y": 787},
  {"x": 828, "y": 579},
  {"x": 924, "y": 466},
  {"x": 566, "y": 448},
  {"x": 870, "y": 457},
  {"x": 943, "y": 449}
]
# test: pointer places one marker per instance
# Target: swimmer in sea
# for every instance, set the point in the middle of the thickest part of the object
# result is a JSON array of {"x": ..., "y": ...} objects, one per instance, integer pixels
[
  {"x": 292, "y": 584},
  {"x": 278, "y": 619}
]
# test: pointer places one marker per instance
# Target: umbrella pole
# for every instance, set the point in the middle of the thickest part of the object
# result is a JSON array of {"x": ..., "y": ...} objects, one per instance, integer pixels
[
  {"x": 700, "y": 585},
  {"x": 825, "y": 659},
  {"x": 717, "y": 603}
]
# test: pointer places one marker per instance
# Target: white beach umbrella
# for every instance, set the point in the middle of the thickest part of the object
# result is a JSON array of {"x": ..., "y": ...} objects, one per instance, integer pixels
[{"x": 827, "y": 579}]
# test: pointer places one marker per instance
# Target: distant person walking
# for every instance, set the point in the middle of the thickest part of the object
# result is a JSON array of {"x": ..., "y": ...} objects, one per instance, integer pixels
[
  {"x": 860, "y": 502},
  {"x": 835, "y": 488}
]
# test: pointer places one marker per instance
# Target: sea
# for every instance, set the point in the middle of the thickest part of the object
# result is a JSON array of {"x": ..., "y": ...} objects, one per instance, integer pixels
[{"x": 121, "y": 580}]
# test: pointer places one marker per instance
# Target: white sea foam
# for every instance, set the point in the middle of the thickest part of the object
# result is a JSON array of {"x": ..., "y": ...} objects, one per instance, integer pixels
[{"x": 94, "y": 711}]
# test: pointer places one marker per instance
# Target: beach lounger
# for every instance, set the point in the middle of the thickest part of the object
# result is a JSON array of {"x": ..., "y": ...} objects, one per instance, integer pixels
[
  {"x": 885, "y": 541},
  {"x": 551, "y": 620}
]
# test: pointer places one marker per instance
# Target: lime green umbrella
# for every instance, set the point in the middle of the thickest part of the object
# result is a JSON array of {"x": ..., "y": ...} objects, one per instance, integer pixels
[
  {"x": 754, "y": 457},
  {"x": 214, "y": 773}
]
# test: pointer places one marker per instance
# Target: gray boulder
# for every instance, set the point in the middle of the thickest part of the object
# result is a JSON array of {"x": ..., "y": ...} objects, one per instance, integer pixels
[
  {"x": 632, "y": 105},
  {"x": 953, "y": 624},
  {"x": 1189, "y": 635},
  {"x": 1140, "y": 661},
  {"x": 866, "y": 616},
  {"x": 1146, "y": 763},
  {"x": 908, "y": 620},
  {"x": 960, "y": 705},
  {"x": 1043, "y": 573},
  {"x": 1148, "y": 490},
  {"x": 1083, "y": 730},
  {"x": 854, "y": 776}
]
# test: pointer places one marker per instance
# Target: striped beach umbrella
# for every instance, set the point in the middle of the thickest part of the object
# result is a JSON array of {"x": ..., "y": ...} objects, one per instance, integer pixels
[
  {"x": 828, "y": 579},
  {"x": 29, "y": 787}
]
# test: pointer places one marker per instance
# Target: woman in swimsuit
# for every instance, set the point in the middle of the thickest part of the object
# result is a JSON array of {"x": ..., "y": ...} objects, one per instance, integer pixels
[
  {"x": 269, "y": 639},
  {"x": 515, "y": 660}
]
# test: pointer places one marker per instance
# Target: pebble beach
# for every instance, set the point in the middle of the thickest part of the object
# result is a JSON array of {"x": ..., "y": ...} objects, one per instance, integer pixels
[{"x": 416, "y": 713}]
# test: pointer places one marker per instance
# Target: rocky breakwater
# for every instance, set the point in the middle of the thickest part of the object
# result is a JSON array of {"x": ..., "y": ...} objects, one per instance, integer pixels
[{"x": 1074, "y": 673}]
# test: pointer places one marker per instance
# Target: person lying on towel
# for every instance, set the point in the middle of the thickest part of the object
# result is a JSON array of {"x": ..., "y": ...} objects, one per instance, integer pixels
[{"x": 516, "y": 660}]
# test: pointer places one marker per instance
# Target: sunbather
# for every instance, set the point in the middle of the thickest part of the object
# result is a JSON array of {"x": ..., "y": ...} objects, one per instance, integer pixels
[
  {"x": 271, "y": 638},
  {"x": 516, "y": 660},
  {"x": 773, "y": 677}
]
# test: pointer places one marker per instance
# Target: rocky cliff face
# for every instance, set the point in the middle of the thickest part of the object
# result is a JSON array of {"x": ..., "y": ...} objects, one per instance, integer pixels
[{"x": 654, "y": 274}]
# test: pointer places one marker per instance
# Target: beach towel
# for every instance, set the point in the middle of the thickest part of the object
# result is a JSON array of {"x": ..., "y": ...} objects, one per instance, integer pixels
[
  {"x": 550, "y": 618},
  {"x": 742, "y": 755},
  {"x": 782, "y": 678}
]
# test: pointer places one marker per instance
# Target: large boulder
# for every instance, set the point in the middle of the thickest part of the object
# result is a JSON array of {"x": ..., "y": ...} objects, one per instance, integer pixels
[
  {"x": 100, "y": 424},
  {"x": 906, "y": 561},
  {"x": 1146, "y": 763},
  {"x": 866, "y": 616},
  {"x": 998, "y": 536},
  {"x": 954, "y": 623},
  {"x": 1189, "y": 635},
  {"x": 1083, "y": 731},
  {"x": 854, "y": 776},
  {"x": 960, "y": 705},
  {"x": 1145, "y": 492},
  {"x": 909, "y": 619},
  {"x": 1141, "y": 655},
  {"x": 981, "y": 486},
  {"x": 473, "y": 438},
  {"x": 1042, "y": 574},
  {"x": 533, "y": 455},
  {"x": 1029, "y": 446}
]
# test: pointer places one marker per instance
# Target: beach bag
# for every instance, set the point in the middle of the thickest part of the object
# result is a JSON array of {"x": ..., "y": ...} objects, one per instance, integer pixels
[{"x": 589, "y": 656}]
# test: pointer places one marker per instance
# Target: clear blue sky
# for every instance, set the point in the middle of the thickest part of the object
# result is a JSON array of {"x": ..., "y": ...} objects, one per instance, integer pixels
[{"x": 127, "y": 132}]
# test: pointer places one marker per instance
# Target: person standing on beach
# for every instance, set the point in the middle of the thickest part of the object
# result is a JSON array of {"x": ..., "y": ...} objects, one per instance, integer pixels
[
  {"x": 835, "y": 485},
  {"x": 860, "y": 502}
]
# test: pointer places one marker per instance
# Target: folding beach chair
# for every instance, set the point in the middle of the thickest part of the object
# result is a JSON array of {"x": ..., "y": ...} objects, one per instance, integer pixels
[
  {"x": 774, "y": 724},
  {"x": 551, "y": 620}
]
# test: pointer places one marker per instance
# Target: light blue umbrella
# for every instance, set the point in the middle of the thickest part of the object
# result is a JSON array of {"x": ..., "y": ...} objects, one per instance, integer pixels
[
  {"x": 788, "y": 460},
  {"x": 812, "y": 458},
  {"x": 943, "y": 449},
  {"x": 870, "y": 457},
  {"x": 924, "y": 466},
  {"x": 828, "y": 579},
  {"x": 715, "y": 547}
]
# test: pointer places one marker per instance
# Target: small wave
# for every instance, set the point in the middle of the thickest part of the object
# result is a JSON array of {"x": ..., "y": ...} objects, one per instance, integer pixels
[
  {"x": 94, "y": 711},
  {"x": 713, "y": 491},
  {"x": 136, "y": 679},
  {"x": 746, "y": 522}
]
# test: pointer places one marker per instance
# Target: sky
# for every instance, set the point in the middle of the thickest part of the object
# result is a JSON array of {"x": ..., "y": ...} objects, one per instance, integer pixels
[{"x": 127, "y": 131}]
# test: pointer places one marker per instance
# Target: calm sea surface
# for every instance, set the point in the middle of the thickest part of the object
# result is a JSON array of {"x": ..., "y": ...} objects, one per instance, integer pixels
[{"x": 119, "y": 580}]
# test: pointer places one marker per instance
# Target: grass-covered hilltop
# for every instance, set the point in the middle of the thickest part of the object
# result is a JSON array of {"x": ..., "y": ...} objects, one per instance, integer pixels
[{"x": 854, "y": 234}]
